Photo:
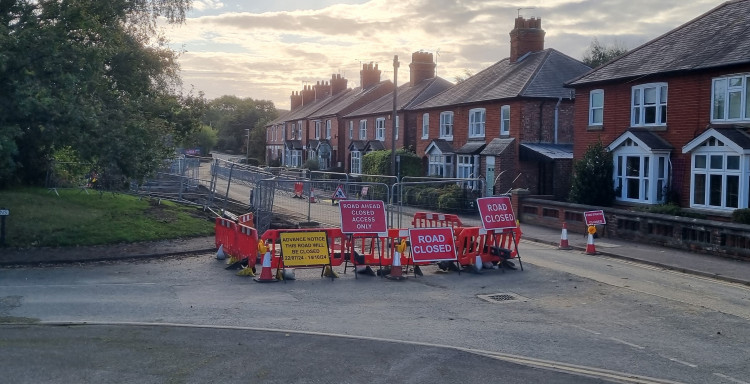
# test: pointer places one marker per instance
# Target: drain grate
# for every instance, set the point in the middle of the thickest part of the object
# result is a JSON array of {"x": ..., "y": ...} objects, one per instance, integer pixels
[{"x": 502, "y": 297}]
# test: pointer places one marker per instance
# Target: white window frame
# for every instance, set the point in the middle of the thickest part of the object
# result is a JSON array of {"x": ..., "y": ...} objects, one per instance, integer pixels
[
  {"x": 648, "y": 183},
  {"x": 356, "y": 162},
  {"x": 639, "y": 107},
  {"x": 465, "y": 168},
  {"x": 596, "y": 109},
  {"x": 721, "y": 105},
  {"x": 351, "y": 129},
  {"x": 505, "y": 120},
  {"x": 446, "y": 125},
  {"x": 317, "y": 129},
  {"x": 328, "y": 129},
  {"x": 710, "y": 162},
  {"x": 363, "y": 129},
  {"x": 380, "y": 128},
  {"x": 296, "y": 158},
  {"x": 425, "y": 126},
  {"x": 477, "y": 118}
]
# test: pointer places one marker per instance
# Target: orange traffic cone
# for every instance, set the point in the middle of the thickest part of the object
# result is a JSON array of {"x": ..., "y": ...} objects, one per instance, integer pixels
[
  {"x": 396, "y": 271},
  {"x": 564, "y": 237},
  {"x": 266, "y": 276},
  {"x": 312, "y": 195},
  {"x": 590, "y": 249}
]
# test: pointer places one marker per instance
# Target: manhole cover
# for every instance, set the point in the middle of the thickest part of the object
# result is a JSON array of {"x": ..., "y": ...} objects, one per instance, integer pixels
[{"x": 502, "y": 297}]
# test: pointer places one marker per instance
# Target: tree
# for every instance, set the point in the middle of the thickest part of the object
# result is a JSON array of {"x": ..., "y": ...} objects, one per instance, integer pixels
[
  {"x": 597, "y": 53},
  {"x": 92, "y": 76},
  {"x": 231, "y": 116},
  {"x": 204, "y": 138},
  {"x": 593, "y": 177},
  {"x": 461, "y": 78}
]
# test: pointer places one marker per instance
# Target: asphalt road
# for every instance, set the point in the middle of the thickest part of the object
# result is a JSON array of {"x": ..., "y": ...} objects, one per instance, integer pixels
[{"x": 572, "y": 319}]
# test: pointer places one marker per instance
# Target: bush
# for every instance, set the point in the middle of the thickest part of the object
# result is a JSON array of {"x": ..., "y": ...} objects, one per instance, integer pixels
[
  {"x": 741, "y": 216},
  {"x": 593, "y": 177}
]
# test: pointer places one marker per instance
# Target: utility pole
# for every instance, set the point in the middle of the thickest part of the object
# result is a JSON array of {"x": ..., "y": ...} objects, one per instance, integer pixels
[
  {"x": 247, "y": 155},
  {"x": 395, "y": 115}
]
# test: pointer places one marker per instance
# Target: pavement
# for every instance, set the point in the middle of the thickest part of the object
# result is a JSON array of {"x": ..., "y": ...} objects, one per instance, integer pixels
[{"x": 722, "y": 268}]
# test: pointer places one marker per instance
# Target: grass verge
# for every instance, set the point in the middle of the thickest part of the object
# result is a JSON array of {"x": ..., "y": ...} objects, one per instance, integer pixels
[{"x": 40, "y": 218}]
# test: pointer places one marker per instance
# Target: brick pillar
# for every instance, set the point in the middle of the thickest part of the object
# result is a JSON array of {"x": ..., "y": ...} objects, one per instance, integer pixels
[{"x": 516, "y": 200}]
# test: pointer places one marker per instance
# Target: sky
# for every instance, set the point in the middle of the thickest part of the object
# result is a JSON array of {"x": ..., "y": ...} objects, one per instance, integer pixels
[{"x": 266, "y": 49}]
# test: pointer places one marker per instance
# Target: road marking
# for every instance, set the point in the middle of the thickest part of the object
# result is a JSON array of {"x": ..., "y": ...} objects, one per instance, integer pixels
[
  {"x": 681, "y": 362},
  {"x": 732, "y": 379},
  {"x": 621, "y": 377},
  {"x": 626, "y": 343}
]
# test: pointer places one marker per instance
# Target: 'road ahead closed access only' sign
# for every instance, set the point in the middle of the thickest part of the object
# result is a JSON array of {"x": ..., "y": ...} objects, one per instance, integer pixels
[
  {"x": 363, "y": 216},
  {"x": 496, "y": 212}
]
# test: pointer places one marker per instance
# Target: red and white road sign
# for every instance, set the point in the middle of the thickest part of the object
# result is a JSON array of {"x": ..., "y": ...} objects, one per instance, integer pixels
[
  {"x": 363, "y": 216},
  {"x": 594, "y": 217},
  {"x": 496, "y": 212},
  {"x": 432, "y": 244}
]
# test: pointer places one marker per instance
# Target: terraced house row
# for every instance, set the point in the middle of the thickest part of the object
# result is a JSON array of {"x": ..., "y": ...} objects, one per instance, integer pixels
[{"x": 674, "y": 112}]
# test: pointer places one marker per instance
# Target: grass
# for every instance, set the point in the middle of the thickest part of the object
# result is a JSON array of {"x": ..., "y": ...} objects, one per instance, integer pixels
[{"x": 40, "y": 218}]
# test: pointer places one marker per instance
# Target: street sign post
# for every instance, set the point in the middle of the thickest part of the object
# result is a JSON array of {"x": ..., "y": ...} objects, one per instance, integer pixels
[{"x": 3, "y": 213}]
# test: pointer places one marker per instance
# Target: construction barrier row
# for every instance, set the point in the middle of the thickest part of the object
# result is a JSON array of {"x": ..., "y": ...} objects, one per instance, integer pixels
[
  {"x": 435, "y": 220},
  {"x": 475, "y": 247}
]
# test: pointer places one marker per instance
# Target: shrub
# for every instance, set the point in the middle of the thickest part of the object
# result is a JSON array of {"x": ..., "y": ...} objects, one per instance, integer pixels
[
  {"x": 592, "y": 177},
  {"x": 741, "y": 216}
]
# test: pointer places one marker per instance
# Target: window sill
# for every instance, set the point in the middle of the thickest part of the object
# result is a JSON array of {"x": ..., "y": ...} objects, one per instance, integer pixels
[
  {"x": 595, "y": 128},
  {"x": 425, "y": 137},
  {"x": 653, "y": 128},
  {"x": 447, "y": 138}
]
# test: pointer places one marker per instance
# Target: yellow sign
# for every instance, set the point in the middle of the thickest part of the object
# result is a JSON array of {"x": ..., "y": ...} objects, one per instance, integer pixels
[
  {"x": 592, "y": 229},
  {"x": 299, "y": 249}
]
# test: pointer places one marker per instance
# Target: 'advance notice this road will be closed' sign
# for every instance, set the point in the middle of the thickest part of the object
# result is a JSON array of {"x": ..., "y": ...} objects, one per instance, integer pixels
[
  {"x": 299, "y": 249},
  {"x": 363, "y": 216},
  {"x": 496, "y": 212},
  {"x": 432, "y": 244}
]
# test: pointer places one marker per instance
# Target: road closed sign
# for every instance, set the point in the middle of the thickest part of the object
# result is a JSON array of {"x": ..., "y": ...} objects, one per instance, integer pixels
[
  {"x": 594, "y": 217},
  {"x": 496, "y": 212},
  {"x": 363, "y": 216},
  {"x": 432, "y": 244}
]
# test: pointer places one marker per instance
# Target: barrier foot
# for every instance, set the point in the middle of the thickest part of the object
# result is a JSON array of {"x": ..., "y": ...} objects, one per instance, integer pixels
[
  {"x": 366, "y": 271},
  {"x": 509, "y": 264},
  {"x": 288, "y": 274},
  {"x": 232, "y": 260},
  {"x": 447, "y": 266},
  {"x": 247, "y": 271},
  {"x": 329, "y": 272},
  {"x": 418, "y": 271},
  {"x": 220, "y": 254},
  {"x": 237, "y": 264}
]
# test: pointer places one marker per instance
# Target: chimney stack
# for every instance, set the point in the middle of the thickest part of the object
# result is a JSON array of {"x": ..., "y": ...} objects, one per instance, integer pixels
[
  {"x": 369, "y": 75},
  {"x": 422, "y": 67},
  {"x": 308, "y": 95},
  {"x": 527, "y": 36},
  {"x": 322, "y": 90},
  {"x": 338, "y": 84},
  {"x": 296, "y": 100}
]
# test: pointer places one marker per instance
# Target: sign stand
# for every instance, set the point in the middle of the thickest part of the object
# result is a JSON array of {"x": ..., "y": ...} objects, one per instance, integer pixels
[{"x": 497, "y": 214}]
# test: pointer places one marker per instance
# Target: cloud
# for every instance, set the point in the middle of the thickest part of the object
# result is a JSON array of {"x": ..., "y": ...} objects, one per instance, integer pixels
[
  {"x": 202, "y": 5},
  {"x": 268, "y": 55}
]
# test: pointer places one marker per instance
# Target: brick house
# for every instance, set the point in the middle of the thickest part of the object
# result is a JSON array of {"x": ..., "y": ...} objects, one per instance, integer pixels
[
  {"x": 370, "y": 127},
  {"x": 511, "y": 124},
  {"x": 675, "y": 114},
  {"x": 311, "y": 129}
]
